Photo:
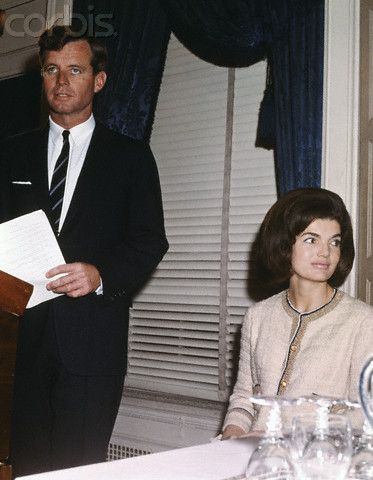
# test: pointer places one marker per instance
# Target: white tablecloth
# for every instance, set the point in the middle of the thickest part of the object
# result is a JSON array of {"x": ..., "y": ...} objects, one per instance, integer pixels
[{"x": 213, "y": 461}]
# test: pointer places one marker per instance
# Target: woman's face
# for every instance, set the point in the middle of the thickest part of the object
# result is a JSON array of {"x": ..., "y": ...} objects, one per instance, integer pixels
[{"x": 316, "y": 251}]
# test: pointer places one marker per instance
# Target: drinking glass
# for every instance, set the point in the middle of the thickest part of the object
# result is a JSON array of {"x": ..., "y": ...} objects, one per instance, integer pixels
[
  {"x": 362, "y": 459},
  {"x": 321, "y": 445},
  {"x": 272, "y": 459}
]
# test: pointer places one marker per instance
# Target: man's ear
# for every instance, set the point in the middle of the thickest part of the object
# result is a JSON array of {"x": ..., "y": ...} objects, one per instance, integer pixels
[{"x": 100, "y": 80}]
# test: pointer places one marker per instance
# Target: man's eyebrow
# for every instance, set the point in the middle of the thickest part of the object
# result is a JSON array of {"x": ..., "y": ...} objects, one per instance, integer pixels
[{"x": 72, "y": 65}]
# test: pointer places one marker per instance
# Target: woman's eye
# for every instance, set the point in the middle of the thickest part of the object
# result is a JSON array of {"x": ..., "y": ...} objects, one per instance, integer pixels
[
  {"x": 309, "y": 240},
  {"x": 336, "y": 242}
]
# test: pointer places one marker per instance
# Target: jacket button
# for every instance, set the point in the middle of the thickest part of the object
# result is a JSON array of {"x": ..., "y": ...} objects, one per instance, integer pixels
[
  {"x": 283, "y": 384},
  {"x": 293, "y": 348}
]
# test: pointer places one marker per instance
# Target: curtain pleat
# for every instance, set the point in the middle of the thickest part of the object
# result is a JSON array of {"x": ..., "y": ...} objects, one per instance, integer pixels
[
  {"x": 297, "y": 53},
  {"x": 137, "y": 48},
  {"x": 290, "y": 33},
  {"x": 229, "y": 34}
]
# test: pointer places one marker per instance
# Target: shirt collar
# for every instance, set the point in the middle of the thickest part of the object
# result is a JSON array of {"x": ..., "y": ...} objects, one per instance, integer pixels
[{"x": 78, "y": 134}]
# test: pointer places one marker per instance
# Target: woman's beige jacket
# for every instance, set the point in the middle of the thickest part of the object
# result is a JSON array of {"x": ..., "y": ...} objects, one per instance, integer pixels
[{"x": 291, "y": 354}]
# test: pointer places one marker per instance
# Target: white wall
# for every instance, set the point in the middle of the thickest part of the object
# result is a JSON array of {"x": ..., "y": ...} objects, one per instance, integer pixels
[{"x": 341, "y": 108}]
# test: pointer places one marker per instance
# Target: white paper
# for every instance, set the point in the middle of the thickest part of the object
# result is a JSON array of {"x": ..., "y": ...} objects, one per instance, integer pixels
[{"x": 28, "y": 249}]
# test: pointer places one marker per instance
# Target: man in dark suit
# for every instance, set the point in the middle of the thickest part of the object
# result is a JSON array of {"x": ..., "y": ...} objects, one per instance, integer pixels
[{"x": 106, "y": 210}]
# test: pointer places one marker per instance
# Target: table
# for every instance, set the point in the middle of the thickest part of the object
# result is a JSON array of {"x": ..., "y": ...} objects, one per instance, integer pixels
[{"x": 212, "y": 461}]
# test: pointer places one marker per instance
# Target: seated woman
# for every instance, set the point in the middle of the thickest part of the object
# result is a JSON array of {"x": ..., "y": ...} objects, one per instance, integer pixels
[{"x": 311, "y": 338}]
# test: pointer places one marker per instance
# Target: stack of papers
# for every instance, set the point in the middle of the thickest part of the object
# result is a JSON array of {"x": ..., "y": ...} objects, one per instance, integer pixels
[{"x": 28, "y": 249}]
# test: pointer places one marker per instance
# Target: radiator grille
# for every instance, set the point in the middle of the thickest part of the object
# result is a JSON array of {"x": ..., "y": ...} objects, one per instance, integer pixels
[{"x": 116, "y": 452}]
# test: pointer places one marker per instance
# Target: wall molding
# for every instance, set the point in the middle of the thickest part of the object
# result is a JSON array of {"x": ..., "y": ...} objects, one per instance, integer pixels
[
  {"x": 340, "y": 163},
  {"x": 14, "y": 64},
  {"x": 6, "y": 4},
  {"x": 18, "y": 51},
  {"x": 59, "y": 9},
  {"x": 18, "y": 54}
]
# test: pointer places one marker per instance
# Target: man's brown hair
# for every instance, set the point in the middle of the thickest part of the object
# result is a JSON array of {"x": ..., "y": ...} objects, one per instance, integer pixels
[{"x": 55, "y": 38}]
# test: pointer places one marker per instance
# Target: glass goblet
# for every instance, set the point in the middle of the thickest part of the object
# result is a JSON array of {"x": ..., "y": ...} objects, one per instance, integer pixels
[
  {"x": 271, "y": 459},
  {"x": 361, "y": 467},
  {"x": 321, "y": 446}
]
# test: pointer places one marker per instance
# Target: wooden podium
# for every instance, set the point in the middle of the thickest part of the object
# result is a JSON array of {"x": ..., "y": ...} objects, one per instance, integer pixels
[
  {"x": 14, "y": 295},
  {"x": 8, "y": 347}
]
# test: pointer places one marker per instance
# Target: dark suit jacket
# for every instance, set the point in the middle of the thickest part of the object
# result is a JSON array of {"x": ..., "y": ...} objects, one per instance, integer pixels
[{"x": 115, "y": 222}]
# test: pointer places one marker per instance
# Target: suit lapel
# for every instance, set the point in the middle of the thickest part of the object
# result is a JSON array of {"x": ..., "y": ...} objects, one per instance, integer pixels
[
  {"x": 84, "y": 187},
  {"x": 39, "y": 170}
]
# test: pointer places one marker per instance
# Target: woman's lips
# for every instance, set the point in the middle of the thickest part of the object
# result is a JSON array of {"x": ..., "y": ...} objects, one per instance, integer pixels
[{"x": 321, "y": 266}]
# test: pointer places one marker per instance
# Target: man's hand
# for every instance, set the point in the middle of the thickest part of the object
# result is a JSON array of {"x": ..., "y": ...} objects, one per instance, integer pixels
[{"x": 79, "y": 279}]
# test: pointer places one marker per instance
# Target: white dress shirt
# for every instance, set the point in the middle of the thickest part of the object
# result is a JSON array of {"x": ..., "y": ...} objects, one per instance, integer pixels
[{"x": 79, "y": 138}]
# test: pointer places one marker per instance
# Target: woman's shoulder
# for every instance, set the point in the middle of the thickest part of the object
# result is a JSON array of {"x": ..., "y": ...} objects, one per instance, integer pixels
[
  {"x": 268, "y": 304},
  {"x": 356, "y": 307},
  {"x": 261, "y": 314}
]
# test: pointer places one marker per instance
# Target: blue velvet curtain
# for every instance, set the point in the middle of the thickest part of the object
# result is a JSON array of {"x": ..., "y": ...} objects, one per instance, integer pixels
[
  {"x": 137, "y": 45},
  {"x": 296, "y": 56},
  {"x": 226, "y": 33},
  {"x": 237, "y": 33},
  {"x": 290, "y": 34}
]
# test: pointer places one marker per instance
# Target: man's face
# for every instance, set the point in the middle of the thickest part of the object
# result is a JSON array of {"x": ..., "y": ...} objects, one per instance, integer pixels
[{"x": 70, "y": 84}]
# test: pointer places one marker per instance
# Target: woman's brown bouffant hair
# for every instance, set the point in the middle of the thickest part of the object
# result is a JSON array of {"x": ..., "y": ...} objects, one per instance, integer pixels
[{"x": 287, "y": 218}]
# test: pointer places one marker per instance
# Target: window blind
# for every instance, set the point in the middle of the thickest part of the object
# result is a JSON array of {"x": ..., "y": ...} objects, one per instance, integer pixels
[
  {"x": 252, "y": 192},
  {"x": 176, "y": 327}
]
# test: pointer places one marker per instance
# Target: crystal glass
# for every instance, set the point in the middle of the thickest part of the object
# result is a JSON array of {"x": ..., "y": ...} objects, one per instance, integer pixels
[
  {"x": 321, "y": 445},
  {"x": 362, "y": 459},
  {"x": 272, "y": 459},
  {"x": 366, "y": 390}
]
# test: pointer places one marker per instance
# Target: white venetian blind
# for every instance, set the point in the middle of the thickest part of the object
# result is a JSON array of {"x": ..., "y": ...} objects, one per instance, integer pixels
[
  {"x": 174, "y": 330},
  {"x": 176, "y": 326},
  {"x": 252, "y": 192}
]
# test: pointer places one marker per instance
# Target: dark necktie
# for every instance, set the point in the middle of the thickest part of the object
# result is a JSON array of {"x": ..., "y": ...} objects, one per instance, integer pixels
[{"x": 57, "y": 187}]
